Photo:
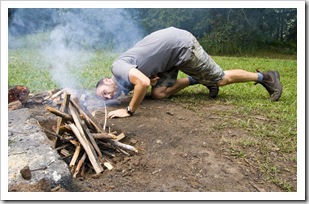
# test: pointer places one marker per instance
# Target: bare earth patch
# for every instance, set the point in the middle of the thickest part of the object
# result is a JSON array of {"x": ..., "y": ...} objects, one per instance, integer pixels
[{"x": 179, "y": 151}]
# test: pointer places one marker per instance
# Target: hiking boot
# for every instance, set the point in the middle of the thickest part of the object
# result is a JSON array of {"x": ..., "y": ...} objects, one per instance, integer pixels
[
  {"x": 271, "y": 82},
  {"x": 213, "y": 90}
]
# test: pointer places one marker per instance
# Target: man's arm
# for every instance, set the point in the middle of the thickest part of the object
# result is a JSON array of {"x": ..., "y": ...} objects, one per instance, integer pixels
[{"x": 141, "y": 83}]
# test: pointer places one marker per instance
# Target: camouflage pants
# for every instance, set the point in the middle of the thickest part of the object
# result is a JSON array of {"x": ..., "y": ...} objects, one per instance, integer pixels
[{"x": 200, "y": 66}]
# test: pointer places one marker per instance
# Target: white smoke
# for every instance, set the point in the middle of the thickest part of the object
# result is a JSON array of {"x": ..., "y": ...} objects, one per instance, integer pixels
[{"x": 74, "y": 35}]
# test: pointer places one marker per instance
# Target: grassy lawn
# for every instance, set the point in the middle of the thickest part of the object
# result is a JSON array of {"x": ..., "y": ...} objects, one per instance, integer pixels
[{"x": 272, "y": 124}]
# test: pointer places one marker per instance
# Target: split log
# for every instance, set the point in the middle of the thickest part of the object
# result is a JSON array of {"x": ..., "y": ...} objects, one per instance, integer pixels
[
  {"x": 60, "y": 114},
  {"x": 120, "y": 136},
  {"x": 62, "y": 147},
  {"x": 88, "y": 123},
  {"x": 79, "y": 133},
  {"x": 56, "y": 188},
  {"x": 75, "y": 143},
  {"x": 65, "y": 152},
  {"x": 82, "y": 133},
  {"x": 80, "y": 164},
  {"x": 122, "y": 145},
  {"x": 65, "y": 128},
  {"x": 83, "y": 172},
  {"x": 122, "y": 151},
  {"x": 64, "y": 108},
  {"x": 93, "y": 142},
  {"x": 88, "y": 115},
  {"x": 75, "y": 156},
  {"x": 83, "y": 128},
  {"x": 103, "y": 136},
  {"x": 107, "y": 145},
  {"x": 108, "y": 165},
  {"x": 57, "y": 94},
  {"x": 109, "y": 154},
  {"x": 89, "y": 150},
  {"x": 52, "y": 133},
  {"x": 105, "y": 117},
  {"x": 40, "y": 97}
]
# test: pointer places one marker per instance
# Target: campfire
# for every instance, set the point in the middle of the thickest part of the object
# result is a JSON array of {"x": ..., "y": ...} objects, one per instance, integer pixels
[{"x": 80, "y": 139}]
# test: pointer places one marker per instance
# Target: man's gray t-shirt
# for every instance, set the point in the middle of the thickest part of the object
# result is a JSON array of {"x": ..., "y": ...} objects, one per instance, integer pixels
[{"x": 158, "y": 52}]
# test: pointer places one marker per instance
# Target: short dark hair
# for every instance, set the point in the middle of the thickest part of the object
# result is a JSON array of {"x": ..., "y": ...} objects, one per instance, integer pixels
[{"x": 101, "y": 82}]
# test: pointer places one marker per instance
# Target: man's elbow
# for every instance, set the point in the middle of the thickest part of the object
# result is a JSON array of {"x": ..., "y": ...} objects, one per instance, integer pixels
[{"x": 145, "y": 82}]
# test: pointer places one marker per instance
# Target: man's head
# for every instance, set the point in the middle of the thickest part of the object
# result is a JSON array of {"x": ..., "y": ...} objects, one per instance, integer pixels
[{"x": 106, "y": 88}]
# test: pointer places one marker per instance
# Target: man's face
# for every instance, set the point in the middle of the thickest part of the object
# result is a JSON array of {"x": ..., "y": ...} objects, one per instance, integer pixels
[{"x": 108, "y": 90}]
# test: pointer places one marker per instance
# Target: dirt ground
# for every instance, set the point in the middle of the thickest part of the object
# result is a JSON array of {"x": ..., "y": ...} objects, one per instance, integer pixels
[{"x": 178, "y": 152}]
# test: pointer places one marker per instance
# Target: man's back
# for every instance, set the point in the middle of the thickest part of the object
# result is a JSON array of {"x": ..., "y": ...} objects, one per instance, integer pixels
[{"x": 159, "y": 51}]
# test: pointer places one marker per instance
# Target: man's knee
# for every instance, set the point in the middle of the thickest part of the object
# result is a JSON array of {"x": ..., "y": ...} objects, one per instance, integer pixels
[{"x": 225, "y": 80}]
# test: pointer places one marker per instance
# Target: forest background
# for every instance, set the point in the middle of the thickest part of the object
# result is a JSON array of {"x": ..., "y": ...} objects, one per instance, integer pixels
[{"x": 221, "y": 31}]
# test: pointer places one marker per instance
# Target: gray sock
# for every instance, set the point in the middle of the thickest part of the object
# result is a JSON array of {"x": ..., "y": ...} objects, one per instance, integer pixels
[
  {"x": 192, "y": 81},
  {"x": 260, "y": 77}
]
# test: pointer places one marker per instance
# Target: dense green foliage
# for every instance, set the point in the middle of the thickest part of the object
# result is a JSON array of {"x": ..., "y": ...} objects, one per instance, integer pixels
[
  {"x": 219, "y": 30},
  {"x": 229, "y": 30}
]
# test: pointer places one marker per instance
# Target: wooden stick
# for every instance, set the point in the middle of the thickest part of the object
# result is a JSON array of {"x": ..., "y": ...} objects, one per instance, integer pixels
[
  {"x": 103, "y": 136},
  {"x": 93, "y": 142},
  {"x": 89, "y": 150},
  {"x": 122, "y": 145},
  {"x": 62, "y": 147},
  {"x": 83, "y": 172},
  {"x": 52, "y": 133},
  {"x": 107, "y": 145},
  {"x": 60, "y": 114},
  {"x": 65, "y": 152},
  {"x": 105, "y": 116},
  {"x": 109, "y": 154},
  {"x": 79, "y": 133},
  {"x": 75, "y": 156},
  {"x": 43, "y": 95},
  {"x": 88, "y": 115},
  {"x": 106, "y": 163},
  {"x": 88, "y": 123},
  {"x": 120, "y": 136},
  {"x": 79, "y": 164},
  {"x": 122, "y": 151},
  {"x": 75, "y": 143},
  {"x": 57, "y": 94},
  {"x": 56, "y": 188},
  {"x": 64, "y": 108}
]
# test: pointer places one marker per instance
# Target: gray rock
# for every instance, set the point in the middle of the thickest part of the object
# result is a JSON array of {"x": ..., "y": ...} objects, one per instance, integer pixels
[{"x": 29, "y": 146}]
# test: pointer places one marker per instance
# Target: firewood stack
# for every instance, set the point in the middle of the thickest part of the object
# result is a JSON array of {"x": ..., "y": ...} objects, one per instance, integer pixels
[{"x": 82, "y": 140}]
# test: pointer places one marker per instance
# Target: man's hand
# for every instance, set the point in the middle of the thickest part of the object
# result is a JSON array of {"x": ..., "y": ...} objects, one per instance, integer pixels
[
  {"x": 154, "y": 80},
  {"x": 119, "y": 113}
]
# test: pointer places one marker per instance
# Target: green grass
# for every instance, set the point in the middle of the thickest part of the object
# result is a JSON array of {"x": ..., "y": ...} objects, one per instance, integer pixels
[
  {"x": 271, "y": 125},
  {"x": 30, "y": 68}
]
